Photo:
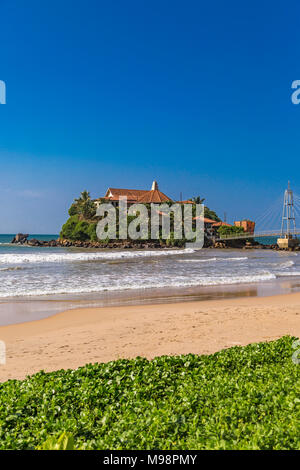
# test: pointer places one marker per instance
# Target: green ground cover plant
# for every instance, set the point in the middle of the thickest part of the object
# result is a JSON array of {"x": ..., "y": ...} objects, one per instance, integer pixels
[{"x": 239, "y": 398}]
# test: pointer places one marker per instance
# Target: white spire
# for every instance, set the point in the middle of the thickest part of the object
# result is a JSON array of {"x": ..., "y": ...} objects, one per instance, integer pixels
[{"x": 154, "y": 186}]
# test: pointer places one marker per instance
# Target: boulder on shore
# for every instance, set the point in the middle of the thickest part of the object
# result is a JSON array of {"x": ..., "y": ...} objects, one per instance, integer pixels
[
  {"x": 34, "y": 242},
  {"x": 20, "y": 238}
]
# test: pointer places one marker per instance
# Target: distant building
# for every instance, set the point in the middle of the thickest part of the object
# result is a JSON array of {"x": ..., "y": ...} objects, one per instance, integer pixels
[
  {"x": 220, "y": 224},
  {"x": 134, "y": 196},
  {"x": 247, "y": 225}
]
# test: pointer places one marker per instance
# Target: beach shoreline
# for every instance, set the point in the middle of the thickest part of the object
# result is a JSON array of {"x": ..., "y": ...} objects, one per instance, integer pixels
[
  {"x": 16, "y": 310},
  {"x": 100, "y": 334}
]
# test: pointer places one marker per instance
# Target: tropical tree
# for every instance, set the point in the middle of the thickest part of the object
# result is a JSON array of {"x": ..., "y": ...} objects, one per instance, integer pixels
[
  {"x": 232, "y": 230},
  {"x": 84, "y": 197},
  {"x": 83, "y": 206},
  {"x": 211, "y": 214},
  {"x": 198, "y": 200},
  {"x": 208, "y": 213}
]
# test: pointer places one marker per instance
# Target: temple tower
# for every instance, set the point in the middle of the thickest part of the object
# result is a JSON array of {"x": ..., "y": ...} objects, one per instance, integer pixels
[{"x": 154, "y": 186}]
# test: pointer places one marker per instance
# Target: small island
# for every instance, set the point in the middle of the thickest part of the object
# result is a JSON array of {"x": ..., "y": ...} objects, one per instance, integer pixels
[{"x": 80, "y": 228}]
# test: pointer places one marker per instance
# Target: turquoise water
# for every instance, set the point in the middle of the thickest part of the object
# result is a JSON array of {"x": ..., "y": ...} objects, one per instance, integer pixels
[
  {"x": 27, "y": 271},
  {"x": 267, "y": 240}
]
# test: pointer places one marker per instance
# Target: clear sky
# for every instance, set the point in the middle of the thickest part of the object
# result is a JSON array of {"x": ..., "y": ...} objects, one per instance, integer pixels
[{"x": 195, "y": 94}]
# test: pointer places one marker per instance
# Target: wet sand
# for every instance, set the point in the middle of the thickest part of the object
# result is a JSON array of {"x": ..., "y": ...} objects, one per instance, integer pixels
[
  {"x": 79, "y": 336},
  {"x": 24, "y": 309}
]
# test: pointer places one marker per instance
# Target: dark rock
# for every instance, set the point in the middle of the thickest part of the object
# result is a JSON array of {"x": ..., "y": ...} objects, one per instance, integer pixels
[
  {"x": 34, "y": 242},
  {"x": 20, "y": 238}
]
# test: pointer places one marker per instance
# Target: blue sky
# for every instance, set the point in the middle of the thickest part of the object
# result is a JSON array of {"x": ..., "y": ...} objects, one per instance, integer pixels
[{"x": 194, "y": 94}]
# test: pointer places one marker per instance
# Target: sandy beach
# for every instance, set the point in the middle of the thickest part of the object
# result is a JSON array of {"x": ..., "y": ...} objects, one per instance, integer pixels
[{"x": 73, "y": 338}]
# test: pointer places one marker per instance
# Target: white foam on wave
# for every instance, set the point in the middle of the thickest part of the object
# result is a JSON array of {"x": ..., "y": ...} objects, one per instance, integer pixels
[
  {"x": 287, "y": 273},
  {"x": 127, "y": 284},
  {"x": 286, "y": 264},
  {"x": 209, "y": 260},
  {"x": 19, "y": 258}
]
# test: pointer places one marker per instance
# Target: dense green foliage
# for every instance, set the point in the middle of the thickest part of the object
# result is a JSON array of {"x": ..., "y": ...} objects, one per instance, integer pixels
[
  {"x": 233, "y": 230},
  {"x": 239, "y": 398},
  {"x": 64, "y": 442},
  {"x": 81, "y": 224},
  {"x": 76, "y": 229},
  {"x": 211, "y": 214}
]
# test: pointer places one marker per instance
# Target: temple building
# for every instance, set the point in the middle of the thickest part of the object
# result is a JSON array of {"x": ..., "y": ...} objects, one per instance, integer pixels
[{"x": 135, "y": 196}]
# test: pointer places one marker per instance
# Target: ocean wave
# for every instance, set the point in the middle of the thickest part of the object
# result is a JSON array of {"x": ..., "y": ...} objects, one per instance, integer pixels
[
  {"x": 286, "y": 264},
  {"x": 81, "y": 288},
  {"x": 288, "y": 273},
  {"x": 208, "y": 260},
  {"x": 14, "y": 268},
  {"x": 15, "y": 258}
]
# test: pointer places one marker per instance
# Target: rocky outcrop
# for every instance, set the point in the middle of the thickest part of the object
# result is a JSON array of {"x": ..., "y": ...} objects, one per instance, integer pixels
[
  {"x": 34, "y": 242},
  {"x": 121, "y": 244},
  {"x": 239, "y": 244},
  {"x": 20, "y": 238}
]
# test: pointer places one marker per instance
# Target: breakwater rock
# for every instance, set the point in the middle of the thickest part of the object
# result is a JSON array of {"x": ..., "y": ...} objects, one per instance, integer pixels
[
  {"x": 239, "y": 244},
  {"x": 22, "y": 239}
]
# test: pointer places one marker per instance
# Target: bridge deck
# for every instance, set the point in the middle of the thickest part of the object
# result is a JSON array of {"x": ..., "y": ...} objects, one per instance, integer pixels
[{"x": 270, "y": 233}]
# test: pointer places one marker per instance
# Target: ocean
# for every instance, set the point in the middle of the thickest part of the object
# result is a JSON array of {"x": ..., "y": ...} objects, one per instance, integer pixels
[{"x": 34, "y": 272}]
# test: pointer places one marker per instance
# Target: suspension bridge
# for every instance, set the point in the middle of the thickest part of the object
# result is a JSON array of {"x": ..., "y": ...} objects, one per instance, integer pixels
[{"x": 281, "y": 215}]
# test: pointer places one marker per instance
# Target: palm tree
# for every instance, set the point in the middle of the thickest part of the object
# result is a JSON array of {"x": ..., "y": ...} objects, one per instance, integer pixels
[
  {"x": 198, "y": 200},
  {"x": 85, "y": 206},
  {"x": 84, "y": 197}
]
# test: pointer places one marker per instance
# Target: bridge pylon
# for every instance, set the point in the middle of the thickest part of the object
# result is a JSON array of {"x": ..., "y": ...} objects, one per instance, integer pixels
[{"x": 288, "y": 238}]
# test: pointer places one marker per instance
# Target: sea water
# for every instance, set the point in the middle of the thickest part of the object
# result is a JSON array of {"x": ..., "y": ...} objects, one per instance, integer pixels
[{"x": 46, "y": 271}]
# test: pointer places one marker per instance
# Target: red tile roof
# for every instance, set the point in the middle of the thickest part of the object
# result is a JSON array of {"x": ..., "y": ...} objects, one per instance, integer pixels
[
  {"x": 219, "y": 224},
  {"x": 205, "y": 220},
  {"x": 155, "y": 196},
  {"x": 137, "y": 195},
  {"x": 131, "y": 194}
]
